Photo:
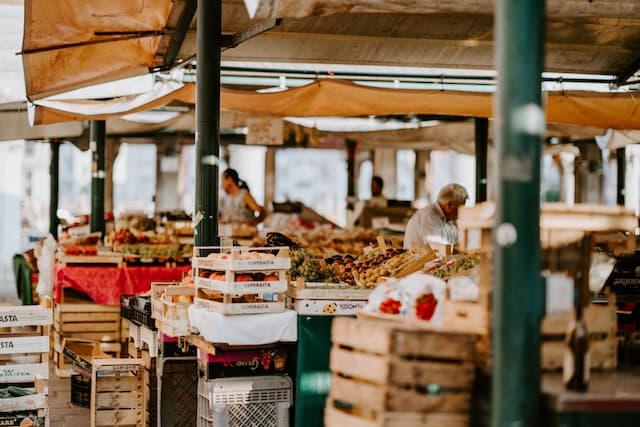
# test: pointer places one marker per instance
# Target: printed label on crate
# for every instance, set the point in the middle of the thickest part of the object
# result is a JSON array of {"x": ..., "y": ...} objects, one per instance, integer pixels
[
  {"x": 25, "y": 316},
  {"x": 243, "y": 363},
  {"x": 13, "y": 420},
  {"x": 24, "y": 345},
  {"x": 326, "y": 307},
  {"x": 277, "y": 263},
  {"x": 23, "y": 373},
  {"x": 23, "y": 403},
  {"x": 77, "y": 360},
  {"x": 242, "y": 287},
  {"x": 240, "y": 308}
]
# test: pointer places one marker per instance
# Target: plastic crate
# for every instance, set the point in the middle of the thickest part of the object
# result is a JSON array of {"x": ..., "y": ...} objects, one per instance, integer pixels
[
  {"x": 243, "y": 363},
  {"x": 177, "y": 386},
  {"x": 245, "y": 402},
  {"x": 141, "y": 313},
  {"x": 80, "y": 391},
  {"x": 125, "y": 306}
]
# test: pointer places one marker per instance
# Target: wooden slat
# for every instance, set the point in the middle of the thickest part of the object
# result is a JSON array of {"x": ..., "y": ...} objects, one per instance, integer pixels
[
  {"x": 604, "y": 354},
  {"x": 389, "y": 398},
  {"x": 89, "y": 317},
  {"x": 23, "y": 373},
  {"x": 394, "y": 370},
  {"x": 339, "y": 418},
  {"x": 125, "y": 417},
  {"x": 25, "y": 316},
  {"x": 599, "y": 319},
  {"x": 85, "y": 308},
  {"x": 113, "y": 327},
  {"x": 119, "y": 400},
  {"x": 395, "y": 338},
  {"x": 34, "y": 401},
  {"x": 16, "y": 345},
  {"x": 116, "y": 384}
]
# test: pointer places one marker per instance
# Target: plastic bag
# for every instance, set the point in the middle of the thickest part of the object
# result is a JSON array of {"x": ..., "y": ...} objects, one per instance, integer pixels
[
  {"x": 464, "y": 287},
  {"x": 416, "y": 296},
  {"x": 46, "y": 263}
]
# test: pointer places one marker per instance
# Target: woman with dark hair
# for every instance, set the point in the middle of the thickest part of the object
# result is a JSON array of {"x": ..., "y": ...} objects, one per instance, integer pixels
[{"x": 238, "y": 205}]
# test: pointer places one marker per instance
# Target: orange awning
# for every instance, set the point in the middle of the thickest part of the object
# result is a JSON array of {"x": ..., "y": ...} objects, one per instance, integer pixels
[{"x": 330, "y": 97}]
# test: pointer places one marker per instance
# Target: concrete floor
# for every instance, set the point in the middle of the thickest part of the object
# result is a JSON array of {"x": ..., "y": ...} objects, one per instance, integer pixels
[{"x": 61, "y": 412}]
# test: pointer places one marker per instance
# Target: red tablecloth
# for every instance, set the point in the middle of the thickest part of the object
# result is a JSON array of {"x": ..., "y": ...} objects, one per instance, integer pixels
[{"x": 105, "y": 284}]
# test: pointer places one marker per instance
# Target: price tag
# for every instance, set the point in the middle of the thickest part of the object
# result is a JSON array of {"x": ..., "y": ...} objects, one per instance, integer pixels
[{"x": 379, "y": 222}]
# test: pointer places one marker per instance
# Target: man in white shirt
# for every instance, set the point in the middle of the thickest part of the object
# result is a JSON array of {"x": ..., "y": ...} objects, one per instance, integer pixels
[
  {"x": 377, "y": 198},
  {"x": 437, "y": 222}
]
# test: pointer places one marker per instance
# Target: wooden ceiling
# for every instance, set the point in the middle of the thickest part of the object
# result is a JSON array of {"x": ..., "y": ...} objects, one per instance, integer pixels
[{"x": 595, "y": 37}]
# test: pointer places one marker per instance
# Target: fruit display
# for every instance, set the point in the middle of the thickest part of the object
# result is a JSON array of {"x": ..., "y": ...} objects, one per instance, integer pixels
[
  {"x": 370, "y": 269},
  {"x": 326, "y": 241},
  {"x": 81, "y": 250},
  {"x": 149, "y": 245},
  {"x": 240, "y": 277},
  {"x": 244, "y": 256},
  {"x": 305, "y": 265},
  {"x": 451, "y": 265}
]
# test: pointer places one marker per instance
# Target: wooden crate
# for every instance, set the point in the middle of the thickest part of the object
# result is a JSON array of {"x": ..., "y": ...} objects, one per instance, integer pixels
[
  {"x": 117, "y": 392},
  {"x": 86, "y": 320},
  {"x": 601, "y": 323},
  {"x": 381, "y": 368},
  {"x": 24, "y": 357}
]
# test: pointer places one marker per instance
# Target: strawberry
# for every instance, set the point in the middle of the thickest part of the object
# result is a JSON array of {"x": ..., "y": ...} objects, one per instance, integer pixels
[
  {"x": 390, "y": 306},
  {"x": 426, "y": 306}
]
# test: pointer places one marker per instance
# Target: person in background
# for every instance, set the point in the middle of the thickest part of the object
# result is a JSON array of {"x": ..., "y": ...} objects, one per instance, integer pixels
[
  {"x": 437, "y": 222},
  {"x": 238, "y": 205},
  {"x": 377, "y": 198}
]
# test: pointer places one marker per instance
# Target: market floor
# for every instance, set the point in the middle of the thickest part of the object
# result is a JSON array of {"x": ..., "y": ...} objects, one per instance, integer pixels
[{"x": 61, "y": 412}]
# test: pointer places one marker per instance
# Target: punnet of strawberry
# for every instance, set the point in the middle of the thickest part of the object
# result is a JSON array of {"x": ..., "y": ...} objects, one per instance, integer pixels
[{"x": 426, "y": 306}]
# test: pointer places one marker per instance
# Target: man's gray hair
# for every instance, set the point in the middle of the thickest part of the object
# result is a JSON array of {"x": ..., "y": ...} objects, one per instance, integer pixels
[{"x": 455, "y": 193}]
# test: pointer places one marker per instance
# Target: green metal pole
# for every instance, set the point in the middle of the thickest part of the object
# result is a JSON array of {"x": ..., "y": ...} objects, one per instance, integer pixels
[
  {"x": 621, "y": 160},
  {"x": 482, "y": 143},
  {"x": 208, "y": 38},
  {"x": 54, "y": 178},
  {"x": 97, "y": 136},
  {"x": 518, "y": 290},
  {"x": 351, "y": 167}
]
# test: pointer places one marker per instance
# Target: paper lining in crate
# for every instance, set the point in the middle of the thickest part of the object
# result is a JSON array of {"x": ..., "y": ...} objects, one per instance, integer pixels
[
  {"x": 236, "y": 258},
  {"x": 246, "y": 401},
  {"x": 171, "y": 307}
]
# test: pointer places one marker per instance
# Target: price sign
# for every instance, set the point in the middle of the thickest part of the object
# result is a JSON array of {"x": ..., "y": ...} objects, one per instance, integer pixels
[{"x": 264, "y": 131}]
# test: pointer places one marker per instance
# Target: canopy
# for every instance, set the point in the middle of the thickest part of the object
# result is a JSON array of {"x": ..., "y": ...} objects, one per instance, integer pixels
[
  {"x": 331, "y": 97},
  {"x": 70, "y": 43}
]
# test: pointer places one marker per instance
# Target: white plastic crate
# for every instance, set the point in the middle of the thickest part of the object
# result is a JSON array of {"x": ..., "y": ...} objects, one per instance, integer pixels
[{"x": 245, "y": 402}]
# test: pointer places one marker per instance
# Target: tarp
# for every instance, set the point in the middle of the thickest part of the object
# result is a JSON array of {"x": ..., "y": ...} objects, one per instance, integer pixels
[
  {"x": 335, "y": 98},
  {"x": 15, "y": 125},
  {"x": 68, "y": 43}
]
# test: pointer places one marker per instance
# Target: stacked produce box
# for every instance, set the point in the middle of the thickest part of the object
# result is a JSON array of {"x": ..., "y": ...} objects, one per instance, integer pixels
[
  {"x": 240, "y": 283},
  {"x": 143, "y": 344},
  {"x": 24, "y": 370},
  {"x": 399, "y": 375}
]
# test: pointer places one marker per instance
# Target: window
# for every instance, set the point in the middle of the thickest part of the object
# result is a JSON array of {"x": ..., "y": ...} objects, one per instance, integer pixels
[
  {"x": 405, "y": 174},
  {"x": 134, "y": 178},
  {"x": 315, "y": 177},
  {"x": 364, "y": 180}
]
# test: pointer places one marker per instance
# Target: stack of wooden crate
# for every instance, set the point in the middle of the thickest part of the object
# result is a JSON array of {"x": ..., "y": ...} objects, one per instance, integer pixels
[
  {"x": 86, "y": 321},
  {"x": 143, "y": 344},
  {"x": 394, "y": 374},
  {"x": 24, "y": 360}
]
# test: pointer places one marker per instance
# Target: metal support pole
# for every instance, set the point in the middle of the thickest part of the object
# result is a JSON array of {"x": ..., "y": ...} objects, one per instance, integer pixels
[
  {"x": 96, "y": 144},
  {"x": 351, "y": 167},
  {"x": 518, "y": 290},
  {"x": 482, "y": 143},
  {"x": 621, "y": 160},
  {"x": 208, "y": 121},
  {"x": 54, "y": 179}
]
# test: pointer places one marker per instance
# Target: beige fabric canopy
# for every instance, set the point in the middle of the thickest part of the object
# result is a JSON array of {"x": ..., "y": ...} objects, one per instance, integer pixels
[
  {"x": 330, "y": 97},
  {"x": 70, "y": 43}
]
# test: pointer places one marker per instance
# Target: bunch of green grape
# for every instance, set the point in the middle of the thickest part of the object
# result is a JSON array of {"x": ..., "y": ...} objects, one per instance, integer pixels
[{"x": 305, "y": 264}]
